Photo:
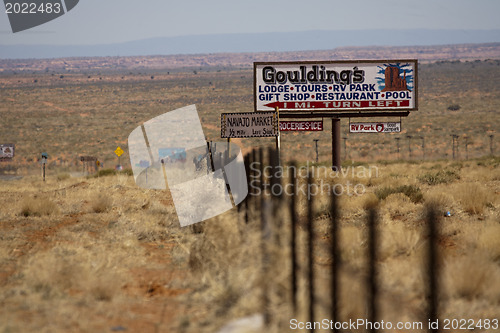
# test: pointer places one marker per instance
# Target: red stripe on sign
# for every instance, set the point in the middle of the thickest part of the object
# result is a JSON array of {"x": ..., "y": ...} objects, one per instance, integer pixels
[
  {"x": 301, "y": 126},
  {"x": 339, "y": 105}
]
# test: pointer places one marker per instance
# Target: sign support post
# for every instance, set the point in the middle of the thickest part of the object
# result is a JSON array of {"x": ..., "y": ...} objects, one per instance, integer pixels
[
  {"x": 119, "y": 152},
  {"x": 44, "y": 161},
  {"x": 317, "y": 155},
  {"x": 278, "y": 138},
  {"x": 336, "y": 144}
]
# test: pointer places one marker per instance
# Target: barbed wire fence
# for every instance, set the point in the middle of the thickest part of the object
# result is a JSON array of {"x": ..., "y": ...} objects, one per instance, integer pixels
[{"x": 293, "y": 237}]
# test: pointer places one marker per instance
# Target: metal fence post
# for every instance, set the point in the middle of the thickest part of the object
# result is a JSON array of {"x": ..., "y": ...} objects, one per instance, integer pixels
[
  {"x": 372, "y": 267},
  {"x": 310, "y": 244}
]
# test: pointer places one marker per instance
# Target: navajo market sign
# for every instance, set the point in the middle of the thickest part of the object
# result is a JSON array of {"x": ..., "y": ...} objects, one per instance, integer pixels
[
  {"x": 370, "y": 85},
  {"x": 249, "y": 125},
  {"x": 387, "y": 127}
]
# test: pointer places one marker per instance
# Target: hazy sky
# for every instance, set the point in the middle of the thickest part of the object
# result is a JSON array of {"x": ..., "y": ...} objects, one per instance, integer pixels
[{"x": 108, "y": 21}]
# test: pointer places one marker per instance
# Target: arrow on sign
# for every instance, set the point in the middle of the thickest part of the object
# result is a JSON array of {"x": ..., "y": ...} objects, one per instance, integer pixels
[{"x": 338, "y": 105}]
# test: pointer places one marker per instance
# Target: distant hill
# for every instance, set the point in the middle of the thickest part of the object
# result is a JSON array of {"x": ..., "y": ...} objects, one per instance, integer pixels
[
  {"x": 216, "y": 61},
  {"x": 255, "y": 42}
]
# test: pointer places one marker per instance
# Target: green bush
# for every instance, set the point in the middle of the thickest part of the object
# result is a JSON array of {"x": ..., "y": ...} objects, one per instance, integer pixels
[
  {"x": 63, "y": 176},
  {"x": 440, "y": 177},
  {"x": 106, "y": 172},
  {"x": 127, "y": 172},
  {"x": 411, "y": 191},
  {"x": 112, "y": 172}
]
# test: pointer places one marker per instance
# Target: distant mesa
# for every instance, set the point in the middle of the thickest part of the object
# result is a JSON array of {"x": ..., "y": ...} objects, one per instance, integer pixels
[{"x": 393, "y": 82}]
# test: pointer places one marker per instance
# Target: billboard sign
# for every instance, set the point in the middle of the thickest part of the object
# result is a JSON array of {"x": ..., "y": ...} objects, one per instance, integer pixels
[
  {"x": 7, "y": 152},
  {"x": 387, "y": 127},
  {"x": 336, "y": 85},
  {"x": 249, "y": 125},
  {"x": 301, "y": 126}
]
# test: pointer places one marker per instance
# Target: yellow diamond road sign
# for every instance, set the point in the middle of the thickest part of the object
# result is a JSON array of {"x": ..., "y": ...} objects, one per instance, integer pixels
[{"x": 119, "y": 152}]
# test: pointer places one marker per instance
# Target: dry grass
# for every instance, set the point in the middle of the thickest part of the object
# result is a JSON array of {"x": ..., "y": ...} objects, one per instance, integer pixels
[
  {"x": 440, "y": 199},
  {"x": 101, "y": 203},
  {"x": 473, "y": 197},
  {"x": 489, "y": 240},
  {"x": 398, "y": 240},
  {"x": 38, "y": 206},
  {"x": 93, "y": 254},
  {"x": 471, "y": 277},
  {"x": 73, "y": 269},
  {"x": 133, "y": 252},
  {"x": 398, "y": 206}
]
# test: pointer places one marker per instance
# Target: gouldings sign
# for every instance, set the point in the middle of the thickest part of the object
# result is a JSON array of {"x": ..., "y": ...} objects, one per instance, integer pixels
[{"x": 336, "y": 85}]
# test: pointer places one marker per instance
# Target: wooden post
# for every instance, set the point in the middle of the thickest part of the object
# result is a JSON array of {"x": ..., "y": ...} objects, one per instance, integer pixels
[
  {"x": 255, "y": 161},
  {"x": 491, "y": 144},
  {"x": 211, "y": 151},
  {"x": 345, "y": 147},
  {"x": 397, "y": 141},
  {"x": 336, "y": 164},
  {"x": 247, "y": 162},
  {"x": 317, "y": 155},
  {"x": 44, "y": 161},
  {"x": 208, "y": 158},
  {"x": 265, "y": 235},
  {"x": 278, "y": 137},
  {"x": 409, "y": 146},
  {"x": 466, "y": 149},
  {"x": 423, "y": 147},
  {"x": 453, "y": 136}
]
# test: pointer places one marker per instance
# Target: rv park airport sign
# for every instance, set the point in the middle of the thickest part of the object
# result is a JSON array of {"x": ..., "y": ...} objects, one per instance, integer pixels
[{"x": 371, "y": 85}]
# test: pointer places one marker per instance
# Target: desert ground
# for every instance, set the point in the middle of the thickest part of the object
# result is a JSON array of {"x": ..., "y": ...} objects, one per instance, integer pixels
[{"x": 93, "y": 252}]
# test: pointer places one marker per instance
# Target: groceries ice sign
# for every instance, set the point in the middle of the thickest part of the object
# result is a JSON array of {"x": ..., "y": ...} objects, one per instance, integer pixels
[{"x": 336, "y": 86}]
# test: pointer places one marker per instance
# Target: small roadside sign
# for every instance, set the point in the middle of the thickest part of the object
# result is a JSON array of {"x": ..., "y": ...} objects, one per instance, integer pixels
[
  {"x": 88, "y": 158},
  {"x": 301, "y": 126},
  {"x": 387, "y": 127},
  {"x": 119, "y": 152},
  {"x": 7, "y": 152},
  {"x": 249, "y": 125}
]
